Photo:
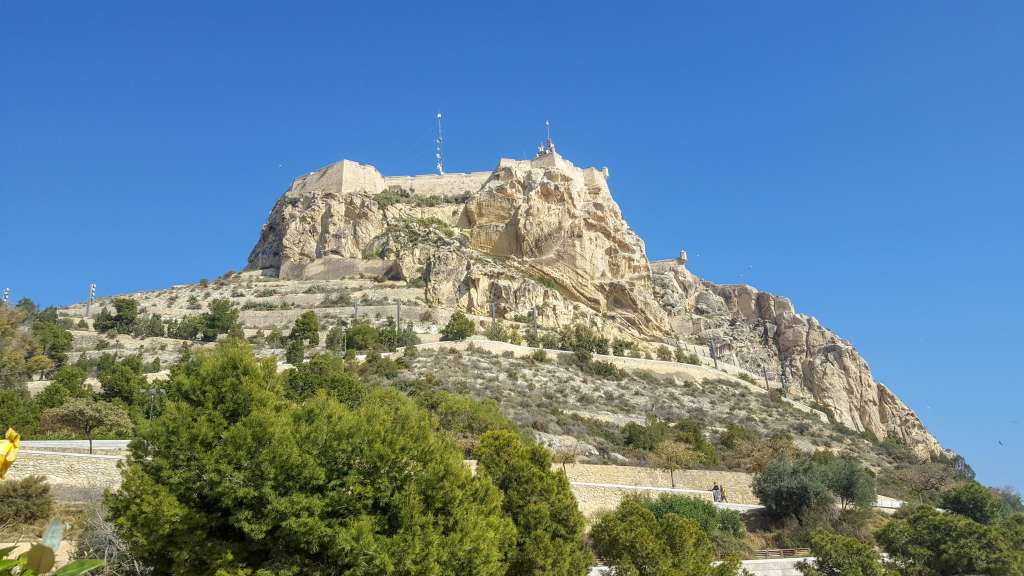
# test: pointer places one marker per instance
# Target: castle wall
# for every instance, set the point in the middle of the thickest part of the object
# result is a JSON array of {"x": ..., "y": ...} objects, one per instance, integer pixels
[{"x": 438, "y": 184}]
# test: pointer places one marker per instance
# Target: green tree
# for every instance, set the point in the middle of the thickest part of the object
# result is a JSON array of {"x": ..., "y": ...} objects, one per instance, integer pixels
[
  {"x": 262, "y": 485},
  {"x": 306, "y": 328},
  {"x": 123, "y": 319},
  {"x": 335, "y": 341},
  {"x": 68, "y": 382},
  {"x": 672, "y": 455},
  {"x": 53, "y": 340},
  {"x": 459, "y": 327},
  {"x": 851, "y": 483},
  {"x": 927, "y": 542},
  {"x": 363, "y": 336},
  {"x": 18, "y": 410},
  {"x": 467, "y": 419},
  {"x": 972, "y": 500},
  {"x": 791, "y": 489},
  {"x": 121, "y": 382},
  {"x": 221, "y": 318},
  {"x": 86, "y": 416},
  {"x": 295, "y": 353},
  {"x": 155, "y": 326},
  {"x": 634, "y": 542},
  {"x": 541, "y": 504},
  {"x": 324, "y": 372},
  {"x": 16, "y": 346},
  {"x": 837, "y": 555}
]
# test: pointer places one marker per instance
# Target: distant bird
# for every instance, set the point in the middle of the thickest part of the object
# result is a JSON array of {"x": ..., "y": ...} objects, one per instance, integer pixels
[{"x": 1000, "y": 442}]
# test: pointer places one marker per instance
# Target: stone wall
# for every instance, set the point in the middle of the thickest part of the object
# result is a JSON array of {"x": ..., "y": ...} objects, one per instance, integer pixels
[
  {"x": 438, "y": 184},
  {"x": 83, "y": 477},
  {"x": 73, "y": 477}
]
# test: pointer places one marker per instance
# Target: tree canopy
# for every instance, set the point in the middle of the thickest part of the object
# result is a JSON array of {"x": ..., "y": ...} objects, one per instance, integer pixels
[
  {"x": 540, "y": 502},
  {"x": 233, "y": 477}
]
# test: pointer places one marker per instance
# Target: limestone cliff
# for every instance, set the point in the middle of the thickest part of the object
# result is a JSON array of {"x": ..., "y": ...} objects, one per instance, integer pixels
[
  {"x": 758, "y": 329},
  {"x": 545, "y": 237}
]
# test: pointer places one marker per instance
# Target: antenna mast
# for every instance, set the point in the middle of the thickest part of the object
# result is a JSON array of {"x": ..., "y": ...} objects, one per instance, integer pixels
[{"x": 439, "y": 153}]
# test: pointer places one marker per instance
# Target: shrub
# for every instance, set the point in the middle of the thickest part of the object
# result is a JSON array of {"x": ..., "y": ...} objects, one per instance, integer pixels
[
  {"x": 665, "y": 354},
  {"x": 724, "y": 528},
  {"x": 837, "y": 555},
  {"x": 539, "y": 355},
  {"x": 633, "y": 541},
  {"x": 363, "y": 336},
  {"x": 496, "y": 331},
  {"x": 25, "y": 501},
  {"x": 459, "y": 327}
]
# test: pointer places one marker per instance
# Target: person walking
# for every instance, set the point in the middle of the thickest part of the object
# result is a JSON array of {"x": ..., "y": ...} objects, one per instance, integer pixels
[
  {"x": 715, "y": 492},
  {"x": 721, "y": 494}
]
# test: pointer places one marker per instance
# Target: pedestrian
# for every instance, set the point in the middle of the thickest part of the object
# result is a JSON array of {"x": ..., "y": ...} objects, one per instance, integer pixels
[
  {"x": 721, "y": 494},
  {"x": 715, "y": 492}
]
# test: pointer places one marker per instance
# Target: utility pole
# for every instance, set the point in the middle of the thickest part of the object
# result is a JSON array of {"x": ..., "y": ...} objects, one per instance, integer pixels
[
  {"x": 92, "y": 296},
  {"x": 439, "y": 150},
  {"x": 764, "y": 369},
  {"x": 714, "y": 355}
]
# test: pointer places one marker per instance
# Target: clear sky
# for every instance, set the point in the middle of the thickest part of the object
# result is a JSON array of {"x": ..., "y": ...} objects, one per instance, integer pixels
[{"x": 863, "y": 158}]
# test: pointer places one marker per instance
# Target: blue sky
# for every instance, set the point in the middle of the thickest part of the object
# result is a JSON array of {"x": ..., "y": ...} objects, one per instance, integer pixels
[{"x": 865, "y": 159}]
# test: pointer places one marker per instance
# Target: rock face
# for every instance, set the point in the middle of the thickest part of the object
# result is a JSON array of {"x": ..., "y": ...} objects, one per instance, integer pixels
[
  {"x": 543, "y": 237},
  {"x": 759, "y": 329}
]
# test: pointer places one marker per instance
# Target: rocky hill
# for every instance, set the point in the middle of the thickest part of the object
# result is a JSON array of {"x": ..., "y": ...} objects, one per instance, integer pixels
[{"x": 543, "y": 241}]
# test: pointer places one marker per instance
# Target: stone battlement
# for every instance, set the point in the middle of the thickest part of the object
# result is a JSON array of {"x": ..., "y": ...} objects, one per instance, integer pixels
[{"x": 349, "y": 177}]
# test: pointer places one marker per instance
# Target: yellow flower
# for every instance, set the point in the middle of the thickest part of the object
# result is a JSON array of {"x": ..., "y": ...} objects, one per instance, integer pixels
[{"x": 8, "y": 450}]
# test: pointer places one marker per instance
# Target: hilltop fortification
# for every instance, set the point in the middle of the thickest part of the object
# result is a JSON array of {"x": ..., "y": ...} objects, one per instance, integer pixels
[{"x": 544, "y": 240}]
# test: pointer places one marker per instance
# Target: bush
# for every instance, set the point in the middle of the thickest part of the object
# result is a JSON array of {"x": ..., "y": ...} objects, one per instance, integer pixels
[
  {"x": 724, "y": 527},
  {"x": 459, "y": 327},
  {"x": 837, "y": 555},
  {"x": 309, "y": 488},
  {"x": 363, "y": 336},
  {"x": 665, "y": 354},
  {"x": 633, "y": 541},
  {"x": 25, "y": 501}
]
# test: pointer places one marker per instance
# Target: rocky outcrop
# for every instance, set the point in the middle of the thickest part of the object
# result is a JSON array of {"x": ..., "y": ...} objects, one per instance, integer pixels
[
  {"x": 763, "y": 330},
  {"x": 540, "y": 236},
  {"x": 544, "y": 237}
]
